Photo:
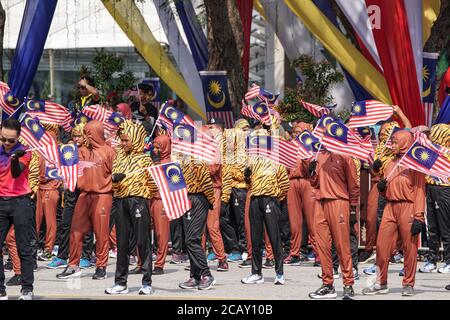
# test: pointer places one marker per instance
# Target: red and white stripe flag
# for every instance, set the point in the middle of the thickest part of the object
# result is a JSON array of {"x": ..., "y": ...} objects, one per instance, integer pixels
[
  {"x": 253, "y": 92},
  {"x": 50, "y": 112},
  {"x": 226, "y": 116},
  {"x": 5, "y": 106},
  {"x": 369, "y": 112},
  {"x": 273, "y": 148},
  {"x": 172, "y": 188},
  {"x": 111, "y": 120},
  {"x": 83, "y": 165},
  {"x": 315, "y": 110}
]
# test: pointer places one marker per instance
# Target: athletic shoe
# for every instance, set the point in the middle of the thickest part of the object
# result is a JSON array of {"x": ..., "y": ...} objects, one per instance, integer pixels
[
  {"x": 303, "y": 257},
  {"x": 370, "y": 270},
  {"x": 145, "y": 290},
  {"x": 191, "y": 283},
  {"x": 279, "y": 279},
  {"x": 397, "y": 258},
  {"x": 46, "y": 256},
  {"x": 292, "y": 261},
  {"x": 270, "y": 263},
  {"x": 212, "y": 256},
  {"x": 188, "y": 267},
  {"x": 136, "y": 270},
  {"x": 348, "y": 293},
  {"x": 222, "y": 265},
  {"x": 206, "y": 282},
  {"x": 402, "y": 273},
  {"x": 157, "y": 271},
  {"x": 117, "y": 289},
  {"x": 336, "y": 274},
  {"x": 14, "y": 281},
  {"x": 447, "y": 287},
  {"x": 407, "y": 291},
  {"x": 69, "y": 273},
  {"x": 113, "y": 253},
  {"x": 375, "y": 289},
  {"x": 55, "y": 251},
  {"x": 184, "y": 258},
  {"x": 26, "y": 295},
  {"x": 57, "y": 263},
  {"x": 176, "y": 259},
  {"x": 235, "y": 256},
  {"x": 245, "y": 264},
  {"x": 100, "y": 273},
  {"x": 85, "y": 264},
  {"x": 244, "y": 256},
  {"x": 8, "y": 265},
  {"x": 444, "y": 269},
  {"x": 355, "y": 274},
  {"x": 253, "y": 279},
  {"x": 366, "y": 256},
  {"x": 428, "y": 267},
  {"x": 3, "y": 295},
  {"x": 311, "y": 256},
  {"x": 133, "y": 260},
  {"x": 39, "y": 252},
  {"x": 324, "y": 292}
]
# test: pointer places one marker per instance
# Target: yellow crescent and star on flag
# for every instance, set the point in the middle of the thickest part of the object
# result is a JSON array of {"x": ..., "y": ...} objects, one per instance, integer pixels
[
  {"x": 420, "y": 153},
  {"x": 215, "y": 96},
  {"x": 174, "y": 174}
]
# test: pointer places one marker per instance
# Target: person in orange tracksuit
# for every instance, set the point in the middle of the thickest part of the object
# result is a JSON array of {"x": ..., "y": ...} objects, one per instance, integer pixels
[
  {"x": 94, "y": 203},
  {"x": 336, "y": 188},
  {"x": 403, "y": 216},
  {"x": 300, "y": 202}
]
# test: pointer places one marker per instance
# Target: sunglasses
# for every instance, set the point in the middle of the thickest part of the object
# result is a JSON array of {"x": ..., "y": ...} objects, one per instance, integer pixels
[{"x": 3, "y": 140}]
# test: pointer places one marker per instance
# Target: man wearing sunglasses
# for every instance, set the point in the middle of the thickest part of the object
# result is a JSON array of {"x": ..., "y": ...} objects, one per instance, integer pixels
[{"x": 15, "y": 203}]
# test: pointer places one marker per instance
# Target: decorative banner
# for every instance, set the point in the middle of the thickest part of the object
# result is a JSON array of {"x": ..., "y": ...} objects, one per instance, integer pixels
[
  {"x": 414, "y": 12},
  {"x": 217, "y": 99},
  {"x": 131, "y": 21},
  {"x": 245, "y": 8},
  {"x": 429, "y": 85},
  {"x": 34, "y": 29},
  {"x": 444, "y": 112},
  {"x": 194, "y": 34},
  {"x": 346, "y": 54}
]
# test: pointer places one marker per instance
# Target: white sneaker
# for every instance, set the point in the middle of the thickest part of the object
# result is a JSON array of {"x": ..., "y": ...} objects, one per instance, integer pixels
[
  {"x": 279, "y": 279},
  {"x": 146, "y": 290},
  {"x": 113, "y": 253},
  {"x": 26, "y": 295},
  {"x": 428, "y": 268},
  {"x": 244, "y": 256},
  {"x": 253, "y": 279},
  {"x": 444, "y": 269},
  {"x": 117, "y": 289}
]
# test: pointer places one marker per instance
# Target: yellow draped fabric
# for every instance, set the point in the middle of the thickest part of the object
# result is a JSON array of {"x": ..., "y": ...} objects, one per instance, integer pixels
[
  {"x": 430, "y": 14},
  {"x": 131, "y": 21},
  {"x": 258, "y": 7},
  {"x": 345, "y": 53}
]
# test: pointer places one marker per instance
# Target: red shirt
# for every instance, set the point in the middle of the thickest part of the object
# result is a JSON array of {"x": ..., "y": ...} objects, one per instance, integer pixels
[{"x": 9, "y": 186}]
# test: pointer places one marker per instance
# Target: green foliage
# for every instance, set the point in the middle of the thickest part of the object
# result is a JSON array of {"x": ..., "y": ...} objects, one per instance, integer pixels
[
  {"x": 318, "y": 78},
  {"x": 105, "y": 65}
]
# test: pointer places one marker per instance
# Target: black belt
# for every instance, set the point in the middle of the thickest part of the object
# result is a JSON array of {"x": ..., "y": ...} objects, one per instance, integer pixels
[{"x": 14, "y": 198}]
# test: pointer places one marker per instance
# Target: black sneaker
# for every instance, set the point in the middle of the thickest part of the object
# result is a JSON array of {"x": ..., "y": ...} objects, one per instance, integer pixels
[
  {"x": 8, "y": 265},
  {"x": 206, "y": 283},
  {"x": 245, "y": 264},
  {"x": 324, "y": 292},
  {"x": 14, "y": 281},
  {"x": 447, "y": 287},
  {"x": 100, "y": 273},
  {"x": 348, "y": 293},
  {"x": 191, "y": 283},
  {"x": 69, "y": 273},
  {"x": 3, "y": 295},
  {"x": 157, "y": 271},
  {"x": 364, "y": 256},
  {"x": 46, "y": 256},
  {"x": 136, "y": 270},
  {"x": 270, "y": 263},
  {"x": 222, "y": 265}
]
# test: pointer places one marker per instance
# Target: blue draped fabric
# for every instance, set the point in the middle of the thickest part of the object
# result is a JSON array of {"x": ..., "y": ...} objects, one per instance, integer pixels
[
  {"x": 444, "y": 112},
  {"x": 36, "y": 22},
  {"x": 358, "y": 91},
  {"x": 196, "y": 38}
]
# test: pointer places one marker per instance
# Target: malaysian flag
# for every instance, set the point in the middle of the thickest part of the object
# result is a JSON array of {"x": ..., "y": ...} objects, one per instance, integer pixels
[
  {"x": 170, "y": 116},
  {"x": 315, "y": 110},
  {"x": 188, "y": 140},
  {"x": 172, "y": 188},
  {"x": 388, "y": 143},
  {"x": 84, "y": 165},
  {"x": 423, "y": 139},
  {"x": 52, "y": 173},
  {"x": 425, "y": 158},
  {"x": 305, "y": 142},
  {"x": 7, "y": 102},
  {"x": 81, "y": 118},
  {"x": 369, "y": 112},
  {"x": 253, "y": 92},
  {"x": 273, "y": 148},
  {"x": 36, "y": 137},
  {"x": 321, "y": 125},
  {"x": 226, "y": 116},
  {"x": 339, "y": 138},
  {"x": 267, "y": 96},
  {"x": 68, "y": 157},
  {"x": 111, "y": 120},
  {"x": 259, "y": 111},
  {"x": 50, "y": 112}
]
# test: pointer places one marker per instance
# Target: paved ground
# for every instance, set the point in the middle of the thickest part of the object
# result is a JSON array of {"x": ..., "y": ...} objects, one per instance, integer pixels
[{"x": 300, "y": 280}]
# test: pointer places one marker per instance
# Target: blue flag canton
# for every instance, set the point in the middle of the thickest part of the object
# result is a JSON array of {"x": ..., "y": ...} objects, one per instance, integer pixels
[
  {"x": 34, "y": 105},
  {"x": 364, "y": 131},
  {"x": 260, "y": 142},
  {"x": 429, "y": 79},
  {"x": 116, "y": 119},
  {"x": 11, "y": 99},
  {"x": 271, "y": 98},
  {"x": 307, "y": 140},
  {"x": 184, "y": 132},
  {"x": 52, "y": 173},
  {"x": 359, "y": 109},
  {"x": 337, "y": 131},
  {"x": 174, "y": 176},
  {"x": 34, "y": 126},
  {"x": 68, "y": 154},
  {"x": 325, "y": 120},
  {"x": 81, "y": 119},
  {"x": 172, "y": 114},
  {"x": 261, "y": 108},
  {"x": 422, "y": 155}
]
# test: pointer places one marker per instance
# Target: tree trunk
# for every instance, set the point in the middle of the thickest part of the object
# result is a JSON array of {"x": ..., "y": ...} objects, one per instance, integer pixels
[
  {"x": 226, "y": 45},
  {"x": 2, "y": 32},
  {"x": 440, "y": 32}
]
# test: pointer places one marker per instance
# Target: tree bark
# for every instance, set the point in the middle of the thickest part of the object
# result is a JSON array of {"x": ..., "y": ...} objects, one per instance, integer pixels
[
  {"x": 2, "y": 32},
  {"x": 226, "y": 45}
]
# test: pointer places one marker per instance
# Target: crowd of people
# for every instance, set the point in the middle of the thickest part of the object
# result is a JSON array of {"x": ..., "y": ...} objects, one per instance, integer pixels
[{"x": 243, "y": 207}]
